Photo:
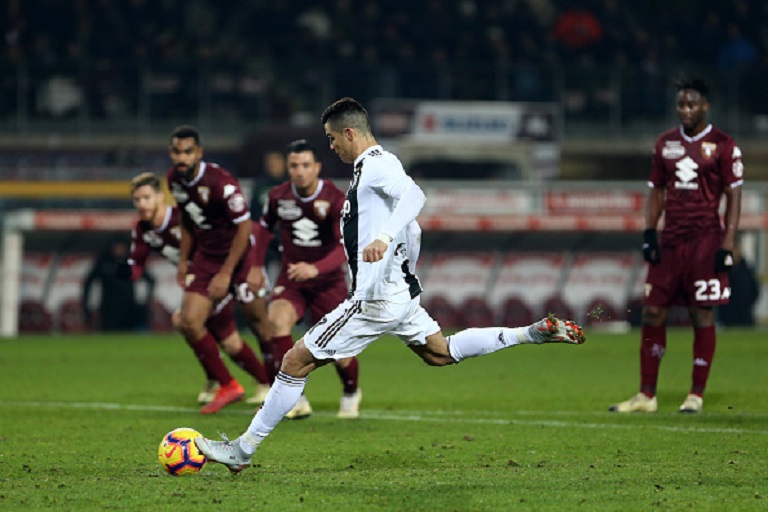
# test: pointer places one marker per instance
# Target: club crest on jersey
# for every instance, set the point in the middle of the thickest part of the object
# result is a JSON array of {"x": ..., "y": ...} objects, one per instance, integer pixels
[
  {"x": 322, "y": 208},
  {"x": 287, "y": 209},
  {"x": 176, "y": 232},
  {"x": 672, "y": 150},
  {"x": 708, "y": 149},
  {"x": 204, "y": 193},
  {"x": 236, "y": 203}
]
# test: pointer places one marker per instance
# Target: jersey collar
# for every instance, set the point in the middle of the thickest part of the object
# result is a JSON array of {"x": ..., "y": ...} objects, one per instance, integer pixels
[
  {"x": 367, "y": 150},
  {"x": 700, "y": 136},
  {"x": 199, "y": 175},
  {"x": 310, "y": 198},
  {"x": 166, "y": 220}
]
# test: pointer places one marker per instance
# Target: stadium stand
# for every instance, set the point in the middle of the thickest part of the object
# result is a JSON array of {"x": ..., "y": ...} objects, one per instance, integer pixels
[
  {"x": 602, "y": 282},
  {"x": 457, "y": 285},
  {"x": 524, "y": 282}
]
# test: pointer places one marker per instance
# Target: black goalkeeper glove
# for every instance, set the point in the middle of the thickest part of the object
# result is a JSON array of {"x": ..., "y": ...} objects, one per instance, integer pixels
[
  {"x": 723, "y": 260},
  {"x": 124, "y": 271},
  {"x": 651, "y": 251}
]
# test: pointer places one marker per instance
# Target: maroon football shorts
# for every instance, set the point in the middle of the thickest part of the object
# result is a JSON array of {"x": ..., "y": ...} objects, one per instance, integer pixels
[
  {"x": 321, "y": 297},
  {"x": 204, "y": 268},
  {"x": 686, "y": 275},
  {"x": 221, "y": 322}
]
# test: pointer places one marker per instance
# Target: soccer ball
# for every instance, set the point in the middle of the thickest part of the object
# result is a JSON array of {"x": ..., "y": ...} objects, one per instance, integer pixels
[{"x": 178, "y": 453}]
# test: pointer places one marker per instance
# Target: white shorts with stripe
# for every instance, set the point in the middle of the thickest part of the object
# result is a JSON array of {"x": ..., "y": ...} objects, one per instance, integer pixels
[{"x": 355, "y": 324}]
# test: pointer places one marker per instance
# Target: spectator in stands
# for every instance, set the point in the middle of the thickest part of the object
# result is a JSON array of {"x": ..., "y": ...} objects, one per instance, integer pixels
[
  {"x": 119, "y": 308},
  {"x": 745, "y": 290},
  {"x": 694, "y": 166}
]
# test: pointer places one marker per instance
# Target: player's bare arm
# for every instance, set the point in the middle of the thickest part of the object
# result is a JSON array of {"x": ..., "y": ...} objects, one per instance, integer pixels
[
  {"x": 654, "y": 208},
  {"x": 219, "y": 285},
  {"x": 185, "y": 247},
  {"x": 732, "y": 216}
]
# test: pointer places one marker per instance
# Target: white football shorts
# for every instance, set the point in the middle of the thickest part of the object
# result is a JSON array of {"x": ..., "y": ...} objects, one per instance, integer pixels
[{"x": 355, "y": 324}]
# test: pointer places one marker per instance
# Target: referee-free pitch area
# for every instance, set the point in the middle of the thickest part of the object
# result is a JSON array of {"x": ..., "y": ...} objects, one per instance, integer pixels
[{"x": 524, "y": 429}]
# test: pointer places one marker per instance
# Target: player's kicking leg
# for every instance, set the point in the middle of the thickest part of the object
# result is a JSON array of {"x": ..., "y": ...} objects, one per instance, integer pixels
[{"x": 285, "y": 392}]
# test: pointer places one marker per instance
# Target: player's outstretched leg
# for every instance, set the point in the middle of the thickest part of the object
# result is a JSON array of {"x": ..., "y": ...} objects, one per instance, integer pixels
[
  {"x": 224, "y": 452},
  {"x": 553, "y": 330}
]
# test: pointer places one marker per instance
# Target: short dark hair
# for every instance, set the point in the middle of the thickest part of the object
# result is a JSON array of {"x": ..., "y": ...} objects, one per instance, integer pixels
[
  {"x": 300, "y": 146},
  {"x": 186, "y": 131},
  {"x": 347, "y": 113},
  {"x": 145, "y": 178},
  {"x": 694, "y": 83}
]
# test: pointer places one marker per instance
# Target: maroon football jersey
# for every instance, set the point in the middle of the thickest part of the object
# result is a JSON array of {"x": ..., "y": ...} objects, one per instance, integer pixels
[
  {"x": 214, "y": 203},
  {"x": 694, "y": 172},
  {"x": 164, "y": 240},
  {"x": 309, "y": 226}
]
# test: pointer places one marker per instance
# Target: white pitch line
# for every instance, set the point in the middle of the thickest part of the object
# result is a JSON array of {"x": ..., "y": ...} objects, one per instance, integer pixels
[{"x": 427, "y": 416}]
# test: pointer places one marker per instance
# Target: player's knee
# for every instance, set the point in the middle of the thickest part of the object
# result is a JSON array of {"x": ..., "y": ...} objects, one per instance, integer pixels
[
  {"x": 654, "y": 316},
  {"x": 433, "y": 359},
  {"x": 232, "y": 344},
  {"x": 189, "y": 324}
]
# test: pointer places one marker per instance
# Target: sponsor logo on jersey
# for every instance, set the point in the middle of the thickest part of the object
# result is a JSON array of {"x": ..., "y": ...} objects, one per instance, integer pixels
[
  {"x": 321, "y": 209},
  {"x": 204, "y": 193},
  {"x": 152, "y": 239},
  {"x": 287, "y": 209},
  {"x": 708, "y": 149},
  {"x": 305, "y": 233},
  {"x": 672, "y": 150},
  {"x": 686, "y": 174}
]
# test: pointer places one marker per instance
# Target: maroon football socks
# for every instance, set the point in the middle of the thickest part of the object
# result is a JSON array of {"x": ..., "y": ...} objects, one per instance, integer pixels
[{"x": 652, "y": 347}]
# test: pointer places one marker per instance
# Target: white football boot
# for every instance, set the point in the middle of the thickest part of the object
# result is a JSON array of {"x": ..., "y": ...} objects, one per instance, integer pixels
[
  {"x": 301, "y": 410},
  {"x": 692, "y": 405},
  {"x": 208, "y": 393},
  {"x": 554, "y": 330},
  {"x": 638, "y": 403},
  {"x": 260, "y": 394},
  {"x": 349, "y": 405},
  {"x": 224, "y": 452}
]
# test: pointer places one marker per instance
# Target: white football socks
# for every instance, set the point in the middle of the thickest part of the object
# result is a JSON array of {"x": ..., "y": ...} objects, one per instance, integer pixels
[
  {"x": 480, "y": 341},
  {"x": 282, "y": 396}
]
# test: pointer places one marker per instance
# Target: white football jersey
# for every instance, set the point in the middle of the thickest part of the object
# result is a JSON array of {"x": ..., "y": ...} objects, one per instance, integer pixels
[{"x": 378, "y": 182}]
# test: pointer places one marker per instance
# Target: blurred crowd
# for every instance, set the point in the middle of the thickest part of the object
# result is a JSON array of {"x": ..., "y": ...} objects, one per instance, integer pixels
[{"x": 282, "y": 49}]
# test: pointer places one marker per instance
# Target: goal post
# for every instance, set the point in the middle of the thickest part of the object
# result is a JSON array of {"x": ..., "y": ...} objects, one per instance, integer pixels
[{"x": 18, "y": 223}]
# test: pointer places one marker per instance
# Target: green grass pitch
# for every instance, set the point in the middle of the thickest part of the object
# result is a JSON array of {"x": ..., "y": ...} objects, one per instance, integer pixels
[{"x": 524, "y": 429}]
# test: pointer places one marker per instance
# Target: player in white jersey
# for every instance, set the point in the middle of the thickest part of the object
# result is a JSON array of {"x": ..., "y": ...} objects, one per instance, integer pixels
[{"x": 377, "y": 221}]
